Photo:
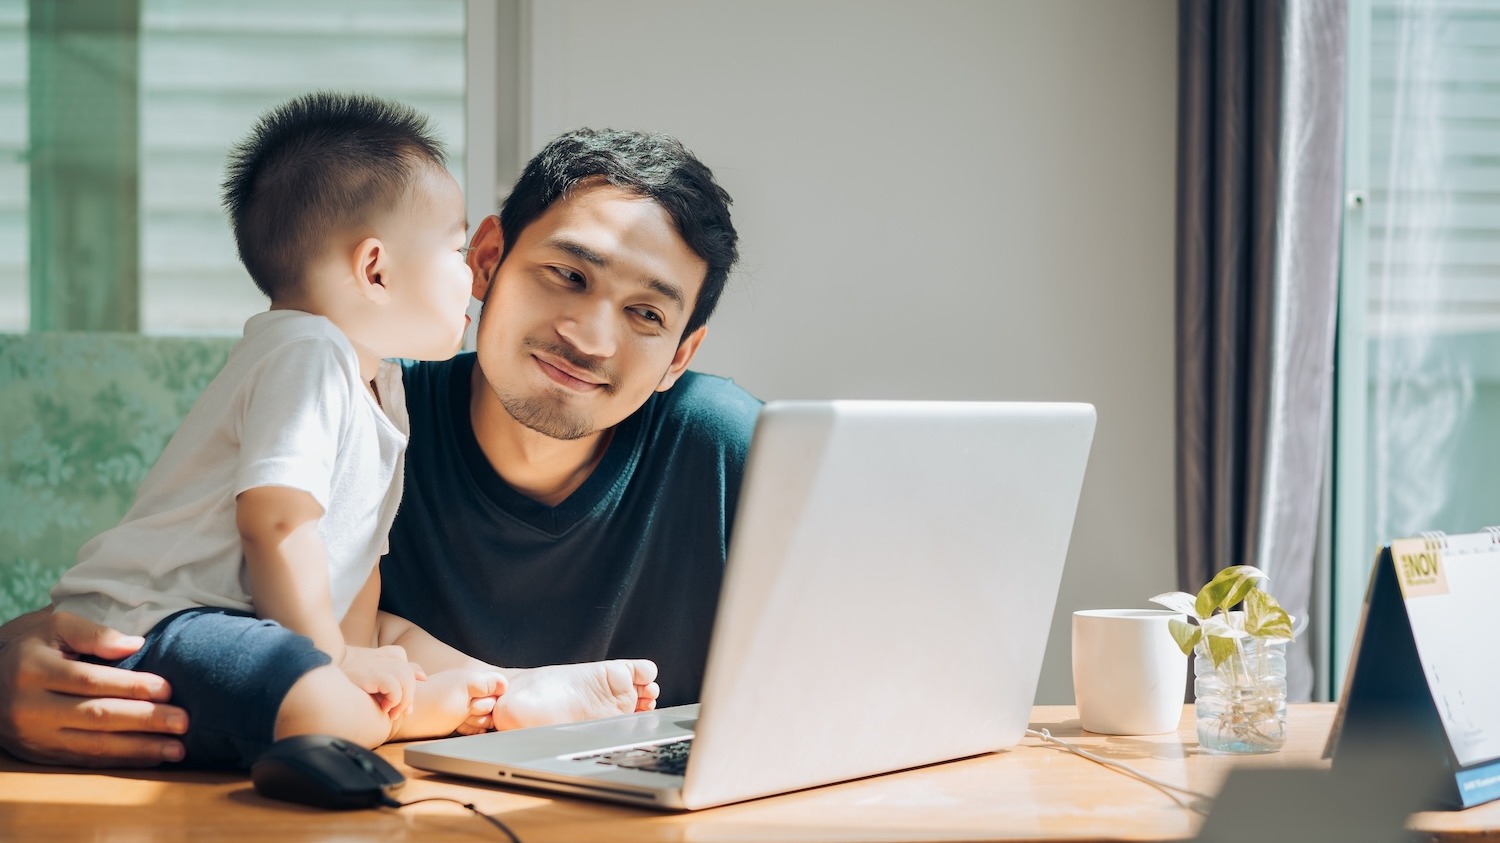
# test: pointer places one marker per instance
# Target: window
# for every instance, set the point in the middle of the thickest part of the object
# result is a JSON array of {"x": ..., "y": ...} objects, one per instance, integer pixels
[
  {"x": 85, "y": 223},
  {"x": 14, "y": 187},
  {"x": 1419, "y": 347}
]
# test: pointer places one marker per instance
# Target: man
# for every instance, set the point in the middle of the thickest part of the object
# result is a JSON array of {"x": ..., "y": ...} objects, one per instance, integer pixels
[{"x": 570, "y": 486}]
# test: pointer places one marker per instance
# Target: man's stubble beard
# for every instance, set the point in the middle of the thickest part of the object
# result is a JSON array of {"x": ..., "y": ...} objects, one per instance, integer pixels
[
  {"x": 549, "y": 415},
  {"x": 547, "y": 418}
]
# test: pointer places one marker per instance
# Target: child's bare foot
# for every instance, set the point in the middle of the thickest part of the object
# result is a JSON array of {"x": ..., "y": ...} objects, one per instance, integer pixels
[
  {"x": 567, "y": 692},
  {"x": 451, "y": 701}
]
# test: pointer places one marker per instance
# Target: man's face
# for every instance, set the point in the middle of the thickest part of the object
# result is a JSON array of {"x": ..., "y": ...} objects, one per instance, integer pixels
[{"x": 583, "y": 320}]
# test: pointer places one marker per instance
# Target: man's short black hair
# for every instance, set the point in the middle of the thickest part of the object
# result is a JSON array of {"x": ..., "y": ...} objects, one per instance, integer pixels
[
  {"x": 313, "y": 166},
  {"x": 654, "y": 166}
]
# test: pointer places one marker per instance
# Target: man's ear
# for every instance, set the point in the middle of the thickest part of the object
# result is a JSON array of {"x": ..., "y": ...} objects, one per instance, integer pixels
[
  {"x": 484, "y": 254},
  {"x": 685, "y": 351},
  {"x": 369, "y": 268}
]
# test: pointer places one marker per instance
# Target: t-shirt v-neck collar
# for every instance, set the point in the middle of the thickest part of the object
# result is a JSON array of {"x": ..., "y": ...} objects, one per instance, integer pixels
[{"x": 613, "y": 471}]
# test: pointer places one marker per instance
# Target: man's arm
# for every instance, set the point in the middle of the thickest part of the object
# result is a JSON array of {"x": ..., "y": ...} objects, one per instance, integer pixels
[
  {"x": 421, "y": 647},
  {"x": 55, "y": 709}
]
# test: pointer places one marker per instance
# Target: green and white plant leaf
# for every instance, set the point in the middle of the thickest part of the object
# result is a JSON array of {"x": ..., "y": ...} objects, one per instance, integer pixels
[
  {"x": 1264, "y": 618},
  {"x": 1219, "y": 626},
  {"x": 1177, "y": 601},
  {"x": 1186, "y": 634},
  {"x": 1228, "y": 588}
]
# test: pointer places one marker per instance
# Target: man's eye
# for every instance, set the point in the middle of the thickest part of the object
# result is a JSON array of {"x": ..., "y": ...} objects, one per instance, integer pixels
[
  {"x": 648, "y": 314},
  {"x": 568, "y": 276}
]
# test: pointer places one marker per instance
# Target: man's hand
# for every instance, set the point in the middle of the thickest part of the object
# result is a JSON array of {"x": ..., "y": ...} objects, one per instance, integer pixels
[
  {"x": 55, "y": 709},
  {"x": 385, "y": 674}
]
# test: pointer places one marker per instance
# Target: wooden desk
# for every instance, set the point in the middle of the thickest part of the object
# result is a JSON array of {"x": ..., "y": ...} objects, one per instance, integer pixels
[{"x": 1032, "y": 792}]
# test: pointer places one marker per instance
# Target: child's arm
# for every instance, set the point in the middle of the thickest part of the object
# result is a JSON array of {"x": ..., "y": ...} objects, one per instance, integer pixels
[
  {"x": 359, "y": 623},
  {"x": 288, "y": 567},
  {"x": 288, "y": 563}
]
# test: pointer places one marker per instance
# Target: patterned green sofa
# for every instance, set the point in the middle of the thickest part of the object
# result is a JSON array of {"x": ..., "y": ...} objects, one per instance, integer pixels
[{"x": 84, "y": 417}]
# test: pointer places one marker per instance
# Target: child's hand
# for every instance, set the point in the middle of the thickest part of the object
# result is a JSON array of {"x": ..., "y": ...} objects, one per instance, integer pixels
[
  {"x": 460, "y": 700},
  {"x": 385, "y": 674}
]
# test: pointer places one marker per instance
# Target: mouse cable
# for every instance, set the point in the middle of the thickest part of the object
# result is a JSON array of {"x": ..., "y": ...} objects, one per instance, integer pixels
[
  {"x": 389, "y": 802},
  {"x": 1200, "y": 801}
]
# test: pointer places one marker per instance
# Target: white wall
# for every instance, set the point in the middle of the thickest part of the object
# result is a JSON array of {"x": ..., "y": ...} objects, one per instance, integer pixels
[{"x": 962, "y": 200}]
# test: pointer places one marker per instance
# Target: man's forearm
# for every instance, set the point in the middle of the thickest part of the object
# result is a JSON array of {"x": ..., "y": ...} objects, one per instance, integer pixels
[
  {"x": 16, "y": 628},
  {"x": 421, "y": 647},
  {"x": 57, "y": 708}
]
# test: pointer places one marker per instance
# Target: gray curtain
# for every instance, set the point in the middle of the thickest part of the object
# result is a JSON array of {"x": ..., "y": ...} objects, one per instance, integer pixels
[{"x": 1259, "y": 188}]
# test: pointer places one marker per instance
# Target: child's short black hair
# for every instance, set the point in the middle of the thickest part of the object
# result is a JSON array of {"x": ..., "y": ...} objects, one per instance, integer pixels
[{"x": 313, "y": 166}]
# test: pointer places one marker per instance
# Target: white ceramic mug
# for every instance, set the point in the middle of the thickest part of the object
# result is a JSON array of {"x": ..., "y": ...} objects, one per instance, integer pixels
[{"x": 1129, "y": 677}]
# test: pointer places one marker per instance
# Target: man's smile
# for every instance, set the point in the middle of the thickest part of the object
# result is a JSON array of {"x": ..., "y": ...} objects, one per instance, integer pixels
[{"x": 564, "y": 374}]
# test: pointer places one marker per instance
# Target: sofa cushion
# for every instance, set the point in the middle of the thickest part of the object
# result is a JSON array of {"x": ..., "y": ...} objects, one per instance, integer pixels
[{"x": 84, "y": 417}]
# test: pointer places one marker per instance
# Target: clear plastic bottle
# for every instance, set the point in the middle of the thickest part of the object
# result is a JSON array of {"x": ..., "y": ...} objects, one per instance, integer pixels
[{"x": 1241, "y": 704}]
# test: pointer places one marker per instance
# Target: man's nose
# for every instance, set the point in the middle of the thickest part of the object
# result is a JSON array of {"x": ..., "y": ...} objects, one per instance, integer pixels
[{"x": 589, "y": 326}]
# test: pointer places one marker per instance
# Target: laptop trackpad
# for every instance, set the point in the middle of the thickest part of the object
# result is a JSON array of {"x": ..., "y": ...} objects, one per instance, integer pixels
[
  {"x": 644, "y": 726},
  {"x": 676, "y": 722}
]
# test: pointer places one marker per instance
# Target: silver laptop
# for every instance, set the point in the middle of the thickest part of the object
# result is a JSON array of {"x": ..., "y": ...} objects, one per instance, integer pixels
[{"x": 889, "y": 590}]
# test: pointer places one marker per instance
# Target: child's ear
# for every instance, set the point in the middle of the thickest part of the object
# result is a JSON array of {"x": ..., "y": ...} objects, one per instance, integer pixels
[{"x": 370, "y": 265}]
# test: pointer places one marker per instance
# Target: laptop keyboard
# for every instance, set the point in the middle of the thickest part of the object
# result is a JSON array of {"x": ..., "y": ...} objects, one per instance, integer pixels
[{"x": 670, "y": 758}]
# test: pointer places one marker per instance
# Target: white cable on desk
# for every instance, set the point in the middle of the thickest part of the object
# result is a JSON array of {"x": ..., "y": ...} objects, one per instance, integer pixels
[{"x": 1200, "y": 803}]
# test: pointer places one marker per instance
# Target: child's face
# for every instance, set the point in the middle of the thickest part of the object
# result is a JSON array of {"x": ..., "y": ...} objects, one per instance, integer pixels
[{"x": 427, "y": 278}]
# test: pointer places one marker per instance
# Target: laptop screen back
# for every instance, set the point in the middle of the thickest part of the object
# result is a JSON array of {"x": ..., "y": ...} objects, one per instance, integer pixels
[{"x": 891, "y": 583}]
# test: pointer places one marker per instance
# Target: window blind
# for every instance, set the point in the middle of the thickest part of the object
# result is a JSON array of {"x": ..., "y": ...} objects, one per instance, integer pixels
[
  {"x": 207, "y": 69},
  {"x": 1434, "y": 203}
]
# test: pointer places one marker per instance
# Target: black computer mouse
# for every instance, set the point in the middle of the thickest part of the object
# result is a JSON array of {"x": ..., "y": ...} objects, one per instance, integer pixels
[{"x": 326, "y": 772}]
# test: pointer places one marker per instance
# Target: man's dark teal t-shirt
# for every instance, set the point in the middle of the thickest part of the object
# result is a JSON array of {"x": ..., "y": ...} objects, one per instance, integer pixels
[{"x": 629, "y": 566}]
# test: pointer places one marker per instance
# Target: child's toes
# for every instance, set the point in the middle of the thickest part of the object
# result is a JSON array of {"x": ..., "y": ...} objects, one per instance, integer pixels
[
  {"x": 486, "y": 685},
  {"x": 645, "y": 671},
  {"x": 475, "y": 725}
]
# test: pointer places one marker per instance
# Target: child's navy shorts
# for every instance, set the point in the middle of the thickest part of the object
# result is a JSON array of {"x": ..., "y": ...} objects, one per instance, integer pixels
[{"x": 230, "y": 671}]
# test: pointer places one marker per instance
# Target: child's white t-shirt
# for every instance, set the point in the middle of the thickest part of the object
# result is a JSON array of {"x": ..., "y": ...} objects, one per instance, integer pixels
[{"x": 288, "y": 409}]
